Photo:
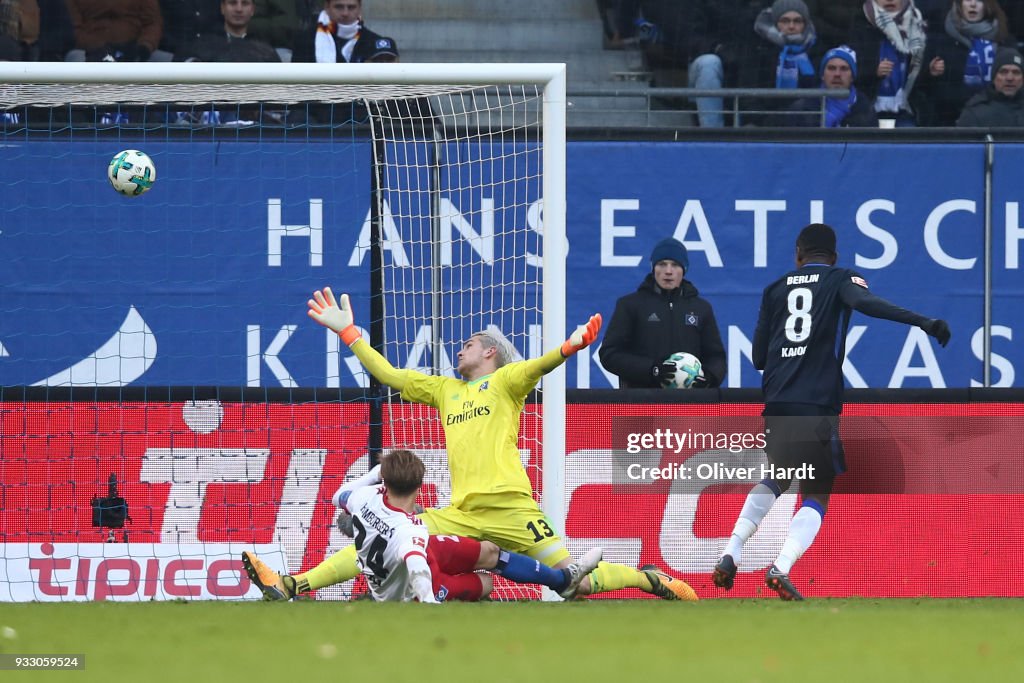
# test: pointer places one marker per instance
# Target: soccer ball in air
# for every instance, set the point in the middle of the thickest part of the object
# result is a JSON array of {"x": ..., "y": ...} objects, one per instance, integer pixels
[
  {"x": 131, "y": 172},
  {"x": 687, "y": 370}
]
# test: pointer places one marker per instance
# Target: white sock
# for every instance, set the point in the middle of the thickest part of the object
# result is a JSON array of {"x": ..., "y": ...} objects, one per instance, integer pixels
[
  {"x": 759, "y": 501},
  {"x": 802, "y": 531}
]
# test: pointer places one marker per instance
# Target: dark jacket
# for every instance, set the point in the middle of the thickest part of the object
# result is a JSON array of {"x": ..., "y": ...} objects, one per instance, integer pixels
[
  {"x": 866, "y": 41},
  {"x": 187, "y": 20},
  {"x": 698, "y": 27},
  {"x": 365, "y": 47},
  {"x": 834, "y": 20},
  {"x": 862, "y": 114},
  {"x": 758, "y": 67},
  {"x": 947, "y": 94},
  {"x": 991, "y": 109},
  {"x": 651, "y": 324},
  {"x": 220, "y": 47}
]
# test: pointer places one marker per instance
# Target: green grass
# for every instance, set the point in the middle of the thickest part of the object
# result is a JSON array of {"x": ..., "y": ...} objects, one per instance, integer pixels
[{"x": 715, "y": 641}]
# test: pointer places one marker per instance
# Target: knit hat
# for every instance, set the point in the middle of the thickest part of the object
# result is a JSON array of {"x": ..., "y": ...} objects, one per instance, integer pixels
[
  {"x": 817, "y": 238},
  {"x": 843, "y": 52},
  {"x": 1007, "y": 55},
  {"x": 670, "y": 248},
  {"x": 780, "y": 7}
]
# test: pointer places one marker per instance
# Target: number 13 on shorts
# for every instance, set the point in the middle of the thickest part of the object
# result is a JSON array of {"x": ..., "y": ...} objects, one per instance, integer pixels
[{"x": 540, "y": 529}]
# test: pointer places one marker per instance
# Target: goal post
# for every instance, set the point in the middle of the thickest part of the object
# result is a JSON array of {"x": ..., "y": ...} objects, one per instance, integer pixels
[{"x": 496, "y": 126}]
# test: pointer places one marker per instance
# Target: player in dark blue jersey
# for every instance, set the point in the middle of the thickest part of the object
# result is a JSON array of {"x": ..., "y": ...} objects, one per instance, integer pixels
[{"x": 800, "y": 343}]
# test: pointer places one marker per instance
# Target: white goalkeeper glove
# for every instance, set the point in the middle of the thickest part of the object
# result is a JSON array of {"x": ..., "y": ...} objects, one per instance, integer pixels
[
  {"x": 334, "y": 315},
  {"x": 583, "y": 337}
]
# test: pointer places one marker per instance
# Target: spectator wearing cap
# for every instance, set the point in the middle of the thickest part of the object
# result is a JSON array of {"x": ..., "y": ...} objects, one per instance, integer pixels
[
  {"x": 1001, "y": 105},
  {"x": 384, "y": 51},
  {"x": 838, "y": 72},
  {"x": 663, "y": 316},
  {"x": 965, "y": 42},
  {"x": 783, "y": 55}
]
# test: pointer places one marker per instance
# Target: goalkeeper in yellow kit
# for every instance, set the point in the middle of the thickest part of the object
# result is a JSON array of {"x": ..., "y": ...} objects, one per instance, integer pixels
[{"x": 491, "y": 494}]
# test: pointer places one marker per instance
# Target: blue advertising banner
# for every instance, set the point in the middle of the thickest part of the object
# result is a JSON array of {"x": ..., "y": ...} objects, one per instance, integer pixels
[
  {"x": 909, "y": 218},
  {"x": 204, "y": 279}
]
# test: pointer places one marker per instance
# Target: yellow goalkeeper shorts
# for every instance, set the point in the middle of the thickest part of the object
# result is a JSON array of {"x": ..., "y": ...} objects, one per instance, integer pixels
[{"x": 512, "y": 521}]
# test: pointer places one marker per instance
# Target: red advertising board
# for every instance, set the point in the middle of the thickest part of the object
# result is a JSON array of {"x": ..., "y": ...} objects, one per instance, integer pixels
[{"x": 262, "y": 473}]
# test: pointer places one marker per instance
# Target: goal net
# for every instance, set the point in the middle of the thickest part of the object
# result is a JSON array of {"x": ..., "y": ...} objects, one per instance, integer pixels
[{"x": 157, "y": 360}]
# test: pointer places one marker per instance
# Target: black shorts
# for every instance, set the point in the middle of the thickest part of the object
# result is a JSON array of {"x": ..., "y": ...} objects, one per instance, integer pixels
[{"x": 799, "y": 434}]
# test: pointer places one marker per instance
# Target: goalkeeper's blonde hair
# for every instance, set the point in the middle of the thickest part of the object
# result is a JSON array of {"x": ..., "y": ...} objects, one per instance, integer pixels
[{"x": 492, "y": 337}]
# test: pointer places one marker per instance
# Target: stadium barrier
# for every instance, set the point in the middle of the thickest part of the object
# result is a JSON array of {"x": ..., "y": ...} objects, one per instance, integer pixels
[{"x": 936, "y": 479}]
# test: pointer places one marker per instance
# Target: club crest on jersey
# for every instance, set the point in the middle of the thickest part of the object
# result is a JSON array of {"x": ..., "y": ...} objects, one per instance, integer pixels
[
  {"x": 442, "y": 593},
  {"x": 691, "y": 318},
  {"x": 483, "y": 387},
  {"x": 859, "y": 281}
]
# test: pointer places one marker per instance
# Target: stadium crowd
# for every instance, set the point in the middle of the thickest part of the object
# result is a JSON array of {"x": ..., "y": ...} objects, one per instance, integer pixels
[
  {"x": 904, "y": 62},
  {"x": 912, "y": 62},
  {"x": 189, "y": 30}
]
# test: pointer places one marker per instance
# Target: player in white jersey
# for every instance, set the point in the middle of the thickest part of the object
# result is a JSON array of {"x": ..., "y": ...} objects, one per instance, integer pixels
[
  {"x": 402, "y": 563},
  {"x": 391, "y": 543}
]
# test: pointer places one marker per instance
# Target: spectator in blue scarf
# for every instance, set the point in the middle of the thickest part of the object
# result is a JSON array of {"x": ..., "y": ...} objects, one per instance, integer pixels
[
  {"x": 890, "y": 44},
  {"x": 783, "y": 57},
  {"x": 838, "y": 71},
  {"x": 965, "y": 45}
]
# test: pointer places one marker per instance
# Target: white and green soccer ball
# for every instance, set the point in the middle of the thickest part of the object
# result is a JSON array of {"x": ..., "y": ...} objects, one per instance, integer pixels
[
  {"x": 687, "y": 370},
  {"x": 131, "y": 172}
]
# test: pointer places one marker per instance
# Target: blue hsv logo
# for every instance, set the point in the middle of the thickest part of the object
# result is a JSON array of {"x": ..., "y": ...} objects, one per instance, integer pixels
[
  {"x": 442, "y": 593},
  {"x": 691, "y": 318}
]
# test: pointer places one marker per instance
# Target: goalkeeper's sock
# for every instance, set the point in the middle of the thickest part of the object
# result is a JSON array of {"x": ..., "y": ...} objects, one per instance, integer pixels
[
  {"x": 802, "y": 531},
  {"x": 339, "y": 567},
  {"x": 523, "y": 569},
  {"x": 610, "y": 576},
  {"x": 759, "y": 501}
]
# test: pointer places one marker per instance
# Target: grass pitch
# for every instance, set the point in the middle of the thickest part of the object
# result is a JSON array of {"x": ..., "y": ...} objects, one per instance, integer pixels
[{"x": 715, "y": 641}]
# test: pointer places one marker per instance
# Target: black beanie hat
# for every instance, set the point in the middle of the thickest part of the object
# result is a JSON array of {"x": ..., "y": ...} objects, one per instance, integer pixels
[
  {"x": 670, "y": 248},
  {"x": 1004, "y": 56}
]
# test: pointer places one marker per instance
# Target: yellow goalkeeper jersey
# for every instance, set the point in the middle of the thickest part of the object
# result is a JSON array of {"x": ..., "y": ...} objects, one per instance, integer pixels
[{"x": 481, "y": 424}]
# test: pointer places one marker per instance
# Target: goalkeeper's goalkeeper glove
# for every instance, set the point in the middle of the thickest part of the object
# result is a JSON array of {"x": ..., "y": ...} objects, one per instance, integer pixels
[
  {"x": 583, "y": 337},
  {"x": 334, "y": 315}
]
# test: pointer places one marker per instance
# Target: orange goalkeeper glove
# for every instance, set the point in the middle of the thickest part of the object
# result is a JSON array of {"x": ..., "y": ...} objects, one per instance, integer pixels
[
  {"x": 330, "y": 314},
  {"x": 583, "y": 337}
]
